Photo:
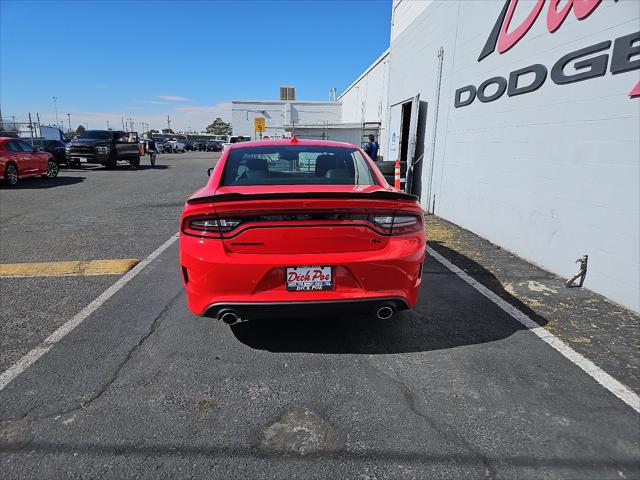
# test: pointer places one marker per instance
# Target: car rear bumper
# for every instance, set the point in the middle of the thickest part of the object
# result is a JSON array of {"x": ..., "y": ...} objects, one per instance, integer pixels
[
  {"x": 281, "y": 310},
  {"x": 215, "y": 277}
]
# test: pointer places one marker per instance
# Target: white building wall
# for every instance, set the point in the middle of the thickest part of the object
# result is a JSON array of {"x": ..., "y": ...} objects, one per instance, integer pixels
[
  {"x": 280, "y": 114},
  {"x": 243, "y": 114},
  {"x": 404, "y": 12},
  {"x": 365, "y": 99},
  {"x": 550, "y": 175},
  {"x": 314, "y": 113}
]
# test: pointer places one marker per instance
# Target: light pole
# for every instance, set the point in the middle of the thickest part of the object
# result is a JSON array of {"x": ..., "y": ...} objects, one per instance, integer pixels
[
  {"x": 55, "y": 106},
  {"x": 69, "y": 117},
  {"x": 108, "y": 127}
]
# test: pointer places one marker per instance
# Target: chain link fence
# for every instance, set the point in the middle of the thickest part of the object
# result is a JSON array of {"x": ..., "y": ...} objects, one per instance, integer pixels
[{"x": 28, "y": 128}]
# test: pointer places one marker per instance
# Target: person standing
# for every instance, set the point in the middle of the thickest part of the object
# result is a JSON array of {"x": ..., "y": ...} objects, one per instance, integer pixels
[
  {"x": 150, "y": 145},
  {"x": 371, "y": 148}
]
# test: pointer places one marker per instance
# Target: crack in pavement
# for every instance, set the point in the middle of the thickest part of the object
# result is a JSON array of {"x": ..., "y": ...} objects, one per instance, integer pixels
[
  {"x": 412, "y": 401},
  {"x": 157, "y": 320}
]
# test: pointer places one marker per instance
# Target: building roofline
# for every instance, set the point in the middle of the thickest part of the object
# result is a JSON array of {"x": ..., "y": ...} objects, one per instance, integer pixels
[
  {"x": 318, "y": 126},
  {"x": 382, "y": 56},
  {"x": 283, "y": 102}
]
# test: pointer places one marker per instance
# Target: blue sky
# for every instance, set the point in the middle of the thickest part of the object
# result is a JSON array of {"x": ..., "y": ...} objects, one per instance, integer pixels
[{"x": 147, "y": 59}]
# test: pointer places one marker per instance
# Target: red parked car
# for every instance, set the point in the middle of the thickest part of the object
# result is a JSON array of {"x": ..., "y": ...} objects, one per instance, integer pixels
[
  {"x": 298, "y": 228},
  {"x": 19, "y": 160}
]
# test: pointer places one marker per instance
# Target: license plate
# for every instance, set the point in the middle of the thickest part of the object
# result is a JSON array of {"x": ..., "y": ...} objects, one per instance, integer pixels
[
  {"x": 83, "y": 160},
  {"x": 303, "y": 279}
]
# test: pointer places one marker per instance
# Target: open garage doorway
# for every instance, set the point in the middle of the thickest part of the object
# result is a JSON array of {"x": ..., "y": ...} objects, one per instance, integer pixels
[
  {"x": 405, "y": 128},
  {"x": 406, "y": 132}
]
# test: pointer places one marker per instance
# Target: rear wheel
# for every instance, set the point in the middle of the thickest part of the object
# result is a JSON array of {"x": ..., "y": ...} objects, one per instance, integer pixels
[
  {"x": 135, "y": 163},
  {"x": 11, "y": 175},
  {"x": 52, "y": 169}
]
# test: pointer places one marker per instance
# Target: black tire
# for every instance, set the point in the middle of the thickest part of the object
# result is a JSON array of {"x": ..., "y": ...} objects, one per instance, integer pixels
[
  {"x": 134, "y": 163},
  {"x": 112, "y": 162},
  {"x": 52, "y": 169},
  {"x": 11, "y": 174}
]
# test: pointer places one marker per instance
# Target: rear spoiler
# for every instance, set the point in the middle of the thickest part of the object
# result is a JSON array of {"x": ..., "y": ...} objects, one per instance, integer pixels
[{"x": 234, "y": 197}]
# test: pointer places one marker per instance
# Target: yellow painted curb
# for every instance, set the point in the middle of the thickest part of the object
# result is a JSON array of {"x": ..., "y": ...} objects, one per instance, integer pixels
[{"x": 66, "y": 269}]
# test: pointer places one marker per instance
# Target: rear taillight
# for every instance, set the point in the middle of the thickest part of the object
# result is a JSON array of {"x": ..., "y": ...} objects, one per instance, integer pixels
[
  {"x": 388, "y": 223},
  {"x": 398, "y": 223},
  {"x": 209, "y": 226}
]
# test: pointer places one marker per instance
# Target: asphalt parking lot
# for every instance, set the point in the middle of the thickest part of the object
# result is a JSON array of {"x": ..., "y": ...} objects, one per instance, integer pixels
[{"x": 456, "y": 388}]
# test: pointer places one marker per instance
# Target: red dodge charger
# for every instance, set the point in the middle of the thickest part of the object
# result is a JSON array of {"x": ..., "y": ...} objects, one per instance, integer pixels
[
  {"x": 299, "y": 228},
  {"x": 18, "y": 160}
]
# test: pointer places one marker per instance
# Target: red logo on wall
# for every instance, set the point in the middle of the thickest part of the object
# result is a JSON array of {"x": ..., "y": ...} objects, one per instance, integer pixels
[
  {"x": 505, "y": 39},
  {"x": 504, "y": 36}
]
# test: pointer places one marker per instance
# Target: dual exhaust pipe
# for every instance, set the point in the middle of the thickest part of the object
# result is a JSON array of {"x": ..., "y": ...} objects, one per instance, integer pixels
[
  {"x": 229, "y": 317},
  {"x": 385, "y": 312}
]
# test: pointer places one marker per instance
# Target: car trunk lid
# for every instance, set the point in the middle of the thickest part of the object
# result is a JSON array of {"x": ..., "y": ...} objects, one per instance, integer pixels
[{"x": 302, "y": 219}]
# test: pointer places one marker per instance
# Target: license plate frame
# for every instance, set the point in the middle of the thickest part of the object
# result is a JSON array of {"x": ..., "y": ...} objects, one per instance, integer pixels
[{"x": 313, "y": 283}]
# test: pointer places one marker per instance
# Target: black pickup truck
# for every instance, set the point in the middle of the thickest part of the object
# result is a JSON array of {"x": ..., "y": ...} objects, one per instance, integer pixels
[{"x": 105, "y": 147}]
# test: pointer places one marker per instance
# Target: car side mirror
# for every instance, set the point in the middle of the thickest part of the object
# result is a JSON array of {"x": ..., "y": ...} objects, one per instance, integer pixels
[{"x": 209, "y": 171}]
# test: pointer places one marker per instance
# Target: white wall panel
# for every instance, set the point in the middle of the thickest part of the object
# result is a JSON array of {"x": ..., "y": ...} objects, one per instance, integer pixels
[{"x": 549, "y": 175}]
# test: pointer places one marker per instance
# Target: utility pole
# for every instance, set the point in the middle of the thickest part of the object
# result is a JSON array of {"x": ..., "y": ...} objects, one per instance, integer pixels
[
  {"x": 31, "y": 129},
  {"x": 69, "y": 117},
  {"x": 122, "y": 118},
  {"x": 55, "y": 106},
  {"x": 168, "y": 122}
]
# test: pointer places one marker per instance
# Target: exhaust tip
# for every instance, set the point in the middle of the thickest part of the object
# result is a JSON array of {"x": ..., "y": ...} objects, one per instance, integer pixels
[
  {"x": 229, "y": 317},
  {"x": 385, "y": 313}
]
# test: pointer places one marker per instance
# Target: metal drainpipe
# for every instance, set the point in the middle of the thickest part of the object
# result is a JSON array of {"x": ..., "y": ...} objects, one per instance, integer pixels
[{"x": 431, "y": 202}]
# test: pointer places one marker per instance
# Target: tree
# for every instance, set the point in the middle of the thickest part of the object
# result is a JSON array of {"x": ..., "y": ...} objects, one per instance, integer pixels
[
  {"x": 80, "y": 129},
  {"x": 219, "y": 127}
]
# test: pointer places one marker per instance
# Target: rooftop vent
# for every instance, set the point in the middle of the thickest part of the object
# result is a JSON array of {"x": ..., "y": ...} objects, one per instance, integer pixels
[{"x": 287, "y": 93}]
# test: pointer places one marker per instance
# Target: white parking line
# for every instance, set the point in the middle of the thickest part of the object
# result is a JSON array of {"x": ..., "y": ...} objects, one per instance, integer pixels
[
  {"x": 32, "y": 357},
  {"x": 603, "y": 378}
]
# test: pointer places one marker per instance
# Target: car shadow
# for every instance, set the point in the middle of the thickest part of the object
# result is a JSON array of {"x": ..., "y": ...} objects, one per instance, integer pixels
[
  {"x": 39, "y": 183},
  {"x": 157, "y": 167},
  {"x": 450, "y": 313}
]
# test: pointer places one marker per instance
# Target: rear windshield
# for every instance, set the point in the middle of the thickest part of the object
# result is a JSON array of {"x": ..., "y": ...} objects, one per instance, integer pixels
[{"x": 296, "y": 165}]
